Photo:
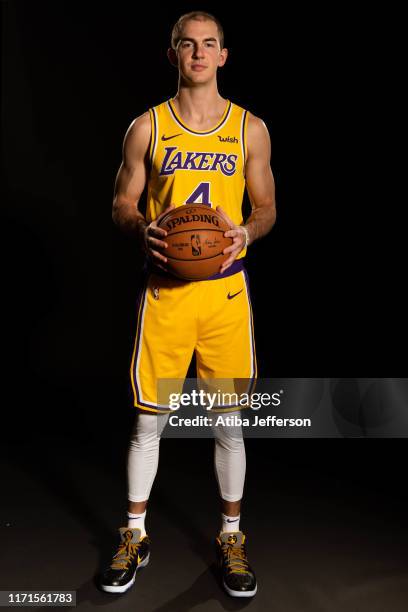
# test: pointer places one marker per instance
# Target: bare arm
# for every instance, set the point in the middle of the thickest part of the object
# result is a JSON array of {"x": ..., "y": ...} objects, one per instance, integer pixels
[
  {"x": 259, "y": 180},
  {"x": 131, "y": 178},
  {"x": 129, "y": 185},
  {"x": 260, "y": 185}
]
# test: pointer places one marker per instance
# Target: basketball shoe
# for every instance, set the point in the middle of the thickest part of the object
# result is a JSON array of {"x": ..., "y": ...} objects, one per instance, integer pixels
[
  {"x": 237, "y": 576},
  {"x": 133, "y": 553}
]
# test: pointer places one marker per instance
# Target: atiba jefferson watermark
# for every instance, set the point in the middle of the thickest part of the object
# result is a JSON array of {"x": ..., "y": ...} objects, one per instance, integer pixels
[{"x": 237, "y": 421}]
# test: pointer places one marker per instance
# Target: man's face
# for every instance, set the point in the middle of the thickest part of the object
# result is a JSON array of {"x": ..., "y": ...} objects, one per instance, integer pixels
[{"x": 199, "y": 54}]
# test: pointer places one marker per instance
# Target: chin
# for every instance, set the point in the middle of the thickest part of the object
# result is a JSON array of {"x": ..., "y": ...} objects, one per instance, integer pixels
[{"x": 200, "y": 78}]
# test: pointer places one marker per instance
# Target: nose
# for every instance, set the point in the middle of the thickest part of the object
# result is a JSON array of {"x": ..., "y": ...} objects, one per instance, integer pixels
[{"x": 198, "y": 51}]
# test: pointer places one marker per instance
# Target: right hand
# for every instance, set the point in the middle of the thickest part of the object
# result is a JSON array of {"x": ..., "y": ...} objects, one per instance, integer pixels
[{"x": 153, "y": 240}]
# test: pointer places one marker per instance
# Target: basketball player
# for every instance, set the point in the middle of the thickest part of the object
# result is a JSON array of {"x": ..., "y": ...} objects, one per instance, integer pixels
[{"x": 196, "y": 147}]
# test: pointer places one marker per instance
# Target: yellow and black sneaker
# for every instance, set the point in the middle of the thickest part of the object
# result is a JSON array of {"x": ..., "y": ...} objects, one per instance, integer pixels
[
  {"x": 237, "y": 576},
  {"x": 133, "y": 553}
]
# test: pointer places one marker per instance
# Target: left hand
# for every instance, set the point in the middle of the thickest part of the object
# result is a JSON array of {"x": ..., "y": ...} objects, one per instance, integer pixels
[{"x": 238, "y": 240}]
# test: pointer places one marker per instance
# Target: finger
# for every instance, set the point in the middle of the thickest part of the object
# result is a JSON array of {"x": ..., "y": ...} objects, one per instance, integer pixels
[
  {"x": 231, "y": 249},
  {"x": 156, "y": 256},
  {"x": 154, "y": 242},
  {"x": 162, "y": 267},
  {"x": 156, "y": 232},
  {"x": 224, "y": 267},
  {"x": 153, "y": 228},
  {"x": 226, "y": 264},
  {"x": 237, "y": 242},
  {"x": 232, "y": 233}
]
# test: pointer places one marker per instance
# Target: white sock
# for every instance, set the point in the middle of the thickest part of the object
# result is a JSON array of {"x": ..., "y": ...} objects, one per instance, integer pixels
[
  {"x": 137, "y": 520},
  {"x": 229, "y": 523}
]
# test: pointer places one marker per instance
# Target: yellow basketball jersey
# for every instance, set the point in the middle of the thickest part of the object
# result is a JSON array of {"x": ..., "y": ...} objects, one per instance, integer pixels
[{"x": 200, "y": 167}]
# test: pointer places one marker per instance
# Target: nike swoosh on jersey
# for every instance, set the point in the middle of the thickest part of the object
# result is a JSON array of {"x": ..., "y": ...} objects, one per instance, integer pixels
[
  {"x": 229, "y": 296},
  {"x": 169, "y": 137}
]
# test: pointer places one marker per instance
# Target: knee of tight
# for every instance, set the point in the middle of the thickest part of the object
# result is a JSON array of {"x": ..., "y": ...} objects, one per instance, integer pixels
[
  {"x": 147, "y": 430},
  {"x": 229, "y": 438}
]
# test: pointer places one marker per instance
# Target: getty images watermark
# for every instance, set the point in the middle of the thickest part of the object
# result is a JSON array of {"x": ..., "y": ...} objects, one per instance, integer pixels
[{"x": 219, "y": 400}]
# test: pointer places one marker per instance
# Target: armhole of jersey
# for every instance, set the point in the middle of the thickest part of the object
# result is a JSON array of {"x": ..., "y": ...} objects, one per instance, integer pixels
[
  {"x": 153, "y": 138},
  {"x": 244, "y": 131}
]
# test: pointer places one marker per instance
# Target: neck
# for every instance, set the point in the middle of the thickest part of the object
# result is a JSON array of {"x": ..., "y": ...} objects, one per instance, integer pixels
[{"x": 199, "y": 102}]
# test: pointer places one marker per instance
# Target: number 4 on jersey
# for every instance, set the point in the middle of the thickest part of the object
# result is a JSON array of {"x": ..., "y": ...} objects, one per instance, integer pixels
[{"x": 201, "y": 195}]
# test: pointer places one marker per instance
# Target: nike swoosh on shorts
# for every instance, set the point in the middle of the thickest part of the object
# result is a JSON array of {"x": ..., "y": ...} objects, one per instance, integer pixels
[{"x": 229, "y": 296}]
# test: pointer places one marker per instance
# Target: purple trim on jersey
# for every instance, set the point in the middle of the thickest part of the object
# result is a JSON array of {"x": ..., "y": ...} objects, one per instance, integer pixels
[
  {"x": 243, "y": 137},
  {"x": 155, "y": 137},
  {"x": 234, "y": 268},
  {"x": 140, "y": 308},
  {"x": 200, "y": 133}
]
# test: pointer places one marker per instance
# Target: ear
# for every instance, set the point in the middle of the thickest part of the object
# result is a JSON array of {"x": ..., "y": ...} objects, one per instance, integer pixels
[
  {"x": 172, "y": 55},
  {"x": 223, "y": 57}
]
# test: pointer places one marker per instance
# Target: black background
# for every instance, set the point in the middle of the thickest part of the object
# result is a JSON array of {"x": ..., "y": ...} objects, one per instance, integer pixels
[{"x": 327, "y": 283}]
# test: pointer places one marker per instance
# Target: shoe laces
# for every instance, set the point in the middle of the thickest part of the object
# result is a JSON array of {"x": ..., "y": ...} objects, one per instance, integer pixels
[
  {"x": 235, "y": 558},
  {"x": 125, "y": 554}
]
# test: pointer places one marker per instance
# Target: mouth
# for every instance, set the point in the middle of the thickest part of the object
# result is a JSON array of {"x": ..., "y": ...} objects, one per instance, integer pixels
[{"x": 198, "y": 67}]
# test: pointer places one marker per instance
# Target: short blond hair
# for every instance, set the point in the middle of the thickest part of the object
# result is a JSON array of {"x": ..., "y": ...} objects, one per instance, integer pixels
[{"x": 197, "y": 16}]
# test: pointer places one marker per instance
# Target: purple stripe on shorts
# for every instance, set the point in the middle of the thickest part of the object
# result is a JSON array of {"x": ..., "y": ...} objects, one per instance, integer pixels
[{"x": 253, "y": 380}]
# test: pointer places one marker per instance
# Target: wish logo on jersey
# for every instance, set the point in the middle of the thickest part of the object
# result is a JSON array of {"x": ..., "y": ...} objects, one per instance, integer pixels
[{"x": 190, "y": 160}]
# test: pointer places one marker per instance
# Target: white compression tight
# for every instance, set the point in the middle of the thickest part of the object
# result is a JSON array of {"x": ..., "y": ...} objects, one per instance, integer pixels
[{"x": 143, "y": 457}]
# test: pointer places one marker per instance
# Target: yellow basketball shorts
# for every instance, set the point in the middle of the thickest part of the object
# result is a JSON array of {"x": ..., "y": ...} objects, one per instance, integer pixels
[{"x": 176, "y": 318}]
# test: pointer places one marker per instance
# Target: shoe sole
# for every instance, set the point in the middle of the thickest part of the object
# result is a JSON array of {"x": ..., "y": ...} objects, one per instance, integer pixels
[
  {"x": 124, "y": 587},
  {"x": 239, "y": 593}
]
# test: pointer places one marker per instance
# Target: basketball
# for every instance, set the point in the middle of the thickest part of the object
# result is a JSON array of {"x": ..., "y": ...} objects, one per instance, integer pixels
[{"x": 195, "y": 238}]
